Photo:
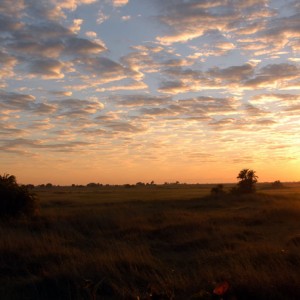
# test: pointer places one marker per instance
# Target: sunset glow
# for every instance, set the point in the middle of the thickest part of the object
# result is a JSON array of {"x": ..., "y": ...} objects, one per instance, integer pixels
[{"x": 121, "y": 91}]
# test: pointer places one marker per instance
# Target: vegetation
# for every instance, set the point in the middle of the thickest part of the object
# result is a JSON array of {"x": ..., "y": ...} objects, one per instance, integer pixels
[
  {"x": 248, "y": 180},
  {"x": 119, "y": 243},
  {"x": 217, "y": 191},
  {"x": 277, "y": 184},
  {"x": 15, "y": 200}
]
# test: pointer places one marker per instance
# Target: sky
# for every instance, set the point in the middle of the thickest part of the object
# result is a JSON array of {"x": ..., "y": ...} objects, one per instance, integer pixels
[{"x": 121, "y": 91}]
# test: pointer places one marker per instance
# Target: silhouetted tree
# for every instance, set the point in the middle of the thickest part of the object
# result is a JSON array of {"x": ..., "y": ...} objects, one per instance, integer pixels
[
  {"x": 15, "y": 199},
  {"x": 247, "y": 181}
]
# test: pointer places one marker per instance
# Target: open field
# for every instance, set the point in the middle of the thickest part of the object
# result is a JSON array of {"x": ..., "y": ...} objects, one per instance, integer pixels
[{"x": 118, "y": 242}]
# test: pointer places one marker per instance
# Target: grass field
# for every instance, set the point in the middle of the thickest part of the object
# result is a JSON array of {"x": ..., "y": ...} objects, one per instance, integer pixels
[{"x": 174, "y": 240}]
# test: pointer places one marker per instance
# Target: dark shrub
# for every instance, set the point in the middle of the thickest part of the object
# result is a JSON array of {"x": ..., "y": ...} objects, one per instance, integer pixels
[
  {"x": 217, "y": 191},
  {"x": 277, "y": 184},
  {"x": 15, "y": 199}
]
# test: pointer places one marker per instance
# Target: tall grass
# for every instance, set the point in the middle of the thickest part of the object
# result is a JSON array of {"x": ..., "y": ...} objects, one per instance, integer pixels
[{"x": 118, "y": 243}]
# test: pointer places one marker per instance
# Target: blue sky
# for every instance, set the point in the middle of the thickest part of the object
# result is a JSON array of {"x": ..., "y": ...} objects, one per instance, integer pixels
[{"x": 119, "y": 91}]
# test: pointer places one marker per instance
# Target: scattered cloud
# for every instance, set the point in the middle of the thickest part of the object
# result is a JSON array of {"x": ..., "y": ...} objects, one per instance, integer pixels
[
  {"x": 77, "y": 107},
  {"x": 76, "y": 26},
  {"x": 274, "y": 75},
  {"x": 47, "y": 68},
  {"x": 161, "y": 81},
  {"x": 126, "y": 18},
  {"x": 119, "y": 3},
  {"x": 101, "y": 18}
]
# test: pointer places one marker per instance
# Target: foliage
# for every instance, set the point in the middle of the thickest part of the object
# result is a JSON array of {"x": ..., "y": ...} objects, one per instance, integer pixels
[
  {"x": 277, "y": 184},
  {"x": 93, "y": 184},
  {"x": 217, "y": 191},
  {"x": 15, "y": 199},
  {"x": 247, "y": 182}
]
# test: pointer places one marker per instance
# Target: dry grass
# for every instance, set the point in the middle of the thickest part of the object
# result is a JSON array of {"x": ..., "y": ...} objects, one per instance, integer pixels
[{"x": 117, "y": 243}]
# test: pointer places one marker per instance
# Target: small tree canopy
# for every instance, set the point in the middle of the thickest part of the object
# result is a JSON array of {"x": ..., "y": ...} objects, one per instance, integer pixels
[
  {"x": 15, "y": 199},
  {"x": 247, "y": 182}
]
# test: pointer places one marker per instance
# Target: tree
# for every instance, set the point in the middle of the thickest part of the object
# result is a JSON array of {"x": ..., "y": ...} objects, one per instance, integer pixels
[
  {"x": 247, "y": 181},
  {"x": 15, "y": 199}
]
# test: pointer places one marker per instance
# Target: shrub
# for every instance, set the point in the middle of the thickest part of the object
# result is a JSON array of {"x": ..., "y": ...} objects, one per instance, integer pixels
[
  {"x": 15, "y": 199},
  {"x": 277, "y": 184},
  {"x": 217, "y": 191}
]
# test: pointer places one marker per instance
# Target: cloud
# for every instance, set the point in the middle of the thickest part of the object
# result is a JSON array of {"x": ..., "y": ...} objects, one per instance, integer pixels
[
  {"x": 6, "y": 7},
  {"x": 101, "y": 18},
  {"x": 254, "y": 111},
  {"x": 235, "y": 78},
  {"x": 11, "y": 145},
  {"x": 275, "y": 97},
  {"x": 61, "y": 93},
  {"x": 15, "y": 101},
  {"x": 223, "y": 72},
  {"x": 141, "y": 62},
  {"x": 7, "y": 64},
  {"x": 119, "y": 3},
  {"x": 41, "y": 45},
  {"x": 44, "y": 108},
  {"x": 161, "y": 111},
  {"x": 10, "y": 130},
  {"x": 91, "y": 34},
  {"x": 234, "y": 74},
  {"x": 77, "y": 107},
  {"x": 141, "y": 100},
  {"x": 177, "y": 62},
  {"x": 174, "y": 87},
  {"x": 54, "y": 9},
  {"x": 40, "y": 125},
  {"x": 9, "y": 24},
  {"x": 187, "y": 80},
  {"x": 190, "y": 20},
  {"x": 265, "y": 122},
  {"x": 104, "y": 70},
  {"x": 131, "y": 86},
  {"x": 126, "y": 18},
  {"x": 225, "y": 46},
  {"x": 76, "y": 26},
  {"x": 198, "y": 108},
  {"x": 47, "y": 49},
  {"x": 274, "y": 75},
  {"x": 252, "y": 26},
  {"x": 123, "y": 126},
  {"x": 47, "y": 68},
  {"x": 78, "y": 46}
]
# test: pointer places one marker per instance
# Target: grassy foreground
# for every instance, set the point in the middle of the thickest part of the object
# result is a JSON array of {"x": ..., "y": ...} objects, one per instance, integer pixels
[{"x": 120, "y": 243}]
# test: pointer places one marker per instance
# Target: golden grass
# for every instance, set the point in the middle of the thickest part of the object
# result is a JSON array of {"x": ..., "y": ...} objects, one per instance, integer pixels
[{"x": 173, "y": 239}]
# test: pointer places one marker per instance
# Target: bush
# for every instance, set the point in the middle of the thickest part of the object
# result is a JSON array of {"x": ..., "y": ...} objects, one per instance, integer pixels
[
  {"x": 277, "y": 184},
  {"x": 217, "y": 191},
  {"x": 15, "y": 200}
]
